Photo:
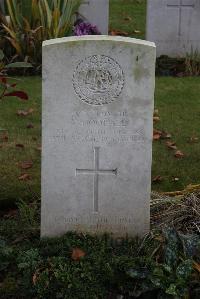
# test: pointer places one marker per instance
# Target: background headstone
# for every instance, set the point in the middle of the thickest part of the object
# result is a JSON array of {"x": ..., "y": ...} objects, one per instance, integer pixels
[
  {"x": 174, "y": 26},
  {"x": 97, "y": 13},
  {"x": 97, "y": 135}
]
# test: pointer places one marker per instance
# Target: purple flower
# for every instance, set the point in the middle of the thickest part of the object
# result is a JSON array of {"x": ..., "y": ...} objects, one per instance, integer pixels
[{"x": 84, "y": 28}]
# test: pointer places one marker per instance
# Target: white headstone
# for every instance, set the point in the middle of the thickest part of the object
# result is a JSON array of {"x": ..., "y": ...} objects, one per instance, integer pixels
[
  {"x": 97, "y": 135},
  {"x": 97, "y": 13},
  {"x": 174, "y": 25}
]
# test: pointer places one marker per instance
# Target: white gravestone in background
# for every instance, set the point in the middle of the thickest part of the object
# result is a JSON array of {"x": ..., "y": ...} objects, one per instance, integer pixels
[
  {"x": 97, "y": 13},
  {"x": 174, "y": 26},
  {"x": 97, "y": 135}
]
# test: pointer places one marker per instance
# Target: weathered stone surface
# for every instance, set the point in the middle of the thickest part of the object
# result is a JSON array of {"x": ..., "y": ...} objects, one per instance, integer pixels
[
  {"x": 174, "y": 26},
  {"x": 97, "y": 13},
  {"x": 97, "y": 135}
]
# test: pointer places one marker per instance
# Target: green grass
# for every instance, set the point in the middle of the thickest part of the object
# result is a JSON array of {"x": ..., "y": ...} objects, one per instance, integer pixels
[
  {"x": 128, "y": 16},
  {"x": 11, "y": 188},
  {"x": 178, "y": 102},
  {"x": 179, "y": 108}
]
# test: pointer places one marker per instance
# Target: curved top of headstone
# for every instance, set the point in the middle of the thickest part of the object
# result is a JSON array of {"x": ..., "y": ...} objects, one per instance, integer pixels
[{"x": 98, "y": 38}]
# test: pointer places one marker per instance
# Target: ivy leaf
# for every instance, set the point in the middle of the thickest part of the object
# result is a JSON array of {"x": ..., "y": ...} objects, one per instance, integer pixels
[
  {"x": 141, "y": 273},
  {"x": 171, "y": 249},
  {"x": 191, "y": 244},
  {"x": 184, "y": 270},
  {"x": 172, "y": 290}
]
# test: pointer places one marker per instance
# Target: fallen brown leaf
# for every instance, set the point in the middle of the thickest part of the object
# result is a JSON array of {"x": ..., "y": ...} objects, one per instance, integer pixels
[
  {"x": 156, "y": 118},
  {"x": 19, "y": 145},
  {"x": 34, "y": 279},
  {"x": 193, "y": 139},
  {"x": 39, "y": 148},
  {"x": 22, "y": 113},
  {"x": 30, "y": 126},
  {"x": 25, "y": 112},
  {"x": 30, "y": 110},
  {"x": 166, "y": 135},
  {"x": 25, "y": 164},
  {"x": 10, "y": 213},
  {"x": 157, "y": 179},
  {"x": 4, "y": 136},
  {"x": 155, "y": 113},
  {"x": 179, "y": 154},
  {"x": 156, "y": 134},
  {"x": 171, "y": 145},
  {"x": 24, "y": 177},
  {"x": 77, "y": 254},
  {"x": 128, "y": 18},
  {"x": 118, "y": 32}
]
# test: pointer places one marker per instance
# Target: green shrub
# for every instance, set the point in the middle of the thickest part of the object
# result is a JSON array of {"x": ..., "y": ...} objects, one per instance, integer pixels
[
  {"x": 161, "y": 265},
  {"x": 192, "y": 63},
  {"x": 46, "y": 20}
]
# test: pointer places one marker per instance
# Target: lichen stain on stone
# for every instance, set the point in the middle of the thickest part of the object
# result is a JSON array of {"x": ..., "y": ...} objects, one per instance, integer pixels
[{"x": 140, "y": 72}]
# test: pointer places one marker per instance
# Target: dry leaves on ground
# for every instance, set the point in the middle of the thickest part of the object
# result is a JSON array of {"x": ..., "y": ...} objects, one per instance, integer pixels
[
  {"x": 24, "y": 177},
  {"x": 179, "y": 154},
  {"x": 157, "y": 135},
  {"x": 39, "y": 148},
  {"x": 157, "y": 179},
  {"x": 127, "y": 18},
  {"x": 25, "y": 164},
  {"x": 193, "y": 139},
  {"x": 3, "y": 136},
  {"x": 171, "y": 145},
  {"x": 77, "y": 254},
  {"x": 25, "y": 112},
  {"x": 19, "y": 145},
  {"x": 115, "y": 32},
  {"x": 30, "y": 126}
]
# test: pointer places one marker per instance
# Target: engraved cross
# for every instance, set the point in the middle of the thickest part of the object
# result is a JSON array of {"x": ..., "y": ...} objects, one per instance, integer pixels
[
  {"x": 180, "y": 7},
  {"x": 96, "y": 172}
]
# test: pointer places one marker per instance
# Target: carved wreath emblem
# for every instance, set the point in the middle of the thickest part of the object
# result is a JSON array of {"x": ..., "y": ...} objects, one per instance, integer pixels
[{"x": 98, "y": 80}]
